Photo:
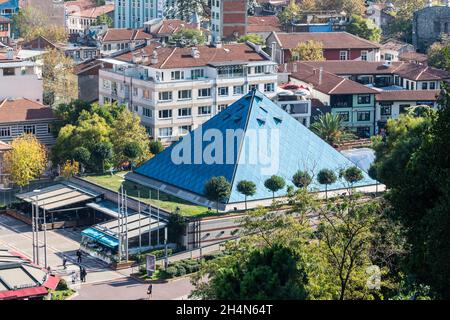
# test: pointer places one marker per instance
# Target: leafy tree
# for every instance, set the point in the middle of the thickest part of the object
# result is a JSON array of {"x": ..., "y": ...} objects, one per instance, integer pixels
[
  {"x": 274, "y": 184},
  {"x": 352, "y": 175},
  {"x": 58, "y": 80},
  {"x": 413, "y": 162},
  {"x": 400, "y": 26},
  {"x": 156, "y": 147},
  {"x": 26, "y": 160},
  {"x": 252, "y": 37},
  {"x": 267, "y": 273},
  {"x": 217, "y": 189},
  {"x": 350, "y": 7},
  {"x": 127, "y": 132},
  {"x": 247, "y": 188},
  {"x": 328, "y": 127},
  {"x": 81, "y": 155},
  {"x": 68, "y": 113},
  {"x": 105, "y": 19},
  {"x": 188, "y": 37},
  {"x": 69, "y": 169},
  {"x": 439, "y": 55},
  {"x": 186, "y": 8},
  {"x": 101, "y": 152},
  {"x": 301, "y": 179},
  {"x": 289, "y": 14},
  {"x": 309, "y": 50},
  {"x": 326, "y": 177},
  {"x": 364, "y": 28}
]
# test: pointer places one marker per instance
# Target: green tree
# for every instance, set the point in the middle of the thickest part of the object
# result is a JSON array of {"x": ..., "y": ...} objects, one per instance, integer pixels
[
  {"x": 102, "y": 152},
  {"x": 186, "y": 8},
  {"x": 156, "y": 147},
  {"x": 253, "y": 38},
  {"x": 328, "y": 127},
  {"x": 188, "y": 38},
  {"x": 247, "y": 188},
  {"x": 309, "y": 50},
  {"x": 274, "y": 184},
  {"x": 217, "y": 189},
  {"x": 301, "y": 179},
  {"x": 105, "y": 19},
  {"x": 364, "y": 28},
  {"x": 439, "y": 55},
  {"x": 400, "y": 26},
  {"x": 132, "y": 150},
  {"x": 326, "y": 177},
  {"x": 82, "y": 155},
  {"x": 267, "y": 273},
  {"x": 289, "y": 14},
  {"x": 350, "y": 7},
  {"x": 352, "y": 175}
]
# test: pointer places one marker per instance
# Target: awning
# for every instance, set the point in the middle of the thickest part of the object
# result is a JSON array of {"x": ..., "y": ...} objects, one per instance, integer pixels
[
  {"x": 57, "y": 196},
  {"x": 107, "y": 207},
  {"x": 101, "y": 237},
  {"x": 23, "y": 293}
]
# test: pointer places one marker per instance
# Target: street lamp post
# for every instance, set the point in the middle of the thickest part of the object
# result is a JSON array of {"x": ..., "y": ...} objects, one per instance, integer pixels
[{"x": 36, "y": 224}]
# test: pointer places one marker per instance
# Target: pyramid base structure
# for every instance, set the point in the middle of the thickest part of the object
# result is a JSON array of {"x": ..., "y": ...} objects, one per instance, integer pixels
[{"x": 251, "y": 140}]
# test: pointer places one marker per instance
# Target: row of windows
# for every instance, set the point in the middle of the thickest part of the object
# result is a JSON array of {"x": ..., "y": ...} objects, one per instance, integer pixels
[
  {"x": 182, "y": 112},
  {"x": 360, "y": 116},
  {"x": 6, "y": 131}
]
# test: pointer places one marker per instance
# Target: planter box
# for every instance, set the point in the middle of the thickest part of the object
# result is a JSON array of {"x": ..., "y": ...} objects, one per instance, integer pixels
[{"x": 122, "y": 265}]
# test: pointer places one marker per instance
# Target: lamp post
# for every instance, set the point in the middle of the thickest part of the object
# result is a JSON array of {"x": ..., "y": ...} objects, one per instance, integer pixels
[{"x": 35, "y": 226}]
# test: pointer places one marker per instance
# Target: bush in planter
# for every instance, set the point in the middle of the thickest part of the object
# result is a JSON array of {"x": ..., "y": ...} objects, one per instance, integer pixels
[
  {"x": 181, "y": 271},
  {"x": 62, "y": 285},
  {"x": 191, "y": 268},
  {"x": 170, "y": 272}
]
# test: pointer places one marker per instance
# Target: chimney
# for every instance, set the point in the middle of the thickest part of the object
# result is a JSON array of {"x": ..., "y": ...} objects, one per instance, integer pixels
[
  {"x": 272, "y": 53},
  {"x": 258, "y": 48},
  {"x": 10, "y": 53},
  {"x": 320, "y": 75},
  {"x": 154, "y": 59},
  {"x": 195, "y": 53}
]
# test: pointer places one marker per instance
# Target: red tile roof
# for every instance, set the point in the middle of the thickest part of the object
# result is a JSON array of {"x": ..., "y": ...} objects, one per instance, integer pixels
[
  {"x": 171, "y": 26},
  {"x": 93, "y": 13},
  {"x": 174, "y": 57},
  {"x": 114, "y": 34},
  {"x": 408, "y": 95},
  {"x": 17, "y": 110},
  {"x": 263, "y": 24},
  {"x": 413, "y": 56},
  {"x": 330, "y": 40},
  {"x": 329, "y": 82}
]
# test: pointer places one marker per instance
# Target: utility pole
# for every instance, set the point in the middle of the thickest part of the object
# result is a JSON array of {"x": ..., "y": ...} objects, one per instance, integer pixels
[
  {"x": 45, "y": 237},
  {"x": 165, "y": 248},
  {"x": 119, "y": 208},
  {"x": 139, "y": 213},
  {"x": 150, "y": 221},
  {"x": 126, "y": 225},
  {"x": 32, "y": 230},
  {"x": 37, "y": 229},
  {"x": 157, "y": 230}
]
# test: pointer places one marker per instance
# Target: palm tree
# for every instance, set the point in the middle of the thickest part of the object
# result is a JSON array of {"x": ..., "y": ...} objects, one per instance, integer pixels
[{"x": 328, "y": 127}]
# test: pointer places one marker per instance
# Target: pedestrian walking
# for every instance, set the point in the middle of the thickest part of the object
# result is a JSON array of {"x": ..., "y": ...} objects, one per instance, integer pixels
[
  {"x": 79, "y": 256},
  {"x": 74, "y": 277},
  {"x": 149, "y": 291},
  {"x": 83, "y": 274},
  {"x": 64, "y": 263}
]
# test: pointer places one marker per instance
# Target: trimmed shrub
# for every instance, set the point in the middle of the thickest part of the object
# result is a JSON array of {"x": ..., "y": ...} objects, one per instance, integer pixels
[
  {"x": 181, "y": 271},
  {"x": 62, "y": 285},
  {"x": 170, "y": 272}
]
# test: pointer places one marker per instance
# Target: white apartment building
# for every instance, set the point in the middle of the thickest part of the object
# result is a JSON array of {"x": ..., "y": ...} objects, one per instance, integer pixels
[
  {"x": 133, "y": 13},
  {"x": 19, "y": 78},
  {"x": 174, "y": 90},
  {"x": 80, "y": 21}
]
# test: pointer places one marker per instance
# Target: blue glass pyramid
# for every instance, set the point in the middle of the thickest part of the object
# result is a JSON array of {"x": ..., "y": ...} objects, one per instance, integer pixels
[{"x": 271, "y": 142}]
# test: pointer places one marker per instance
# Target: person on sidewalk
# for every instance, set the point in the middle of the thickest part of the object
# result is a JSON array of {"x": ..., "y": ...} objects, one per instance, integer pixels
[
  {"x": 79, "y": 256},
  {"x": 149, "y": 291},
  {"x": 64, "y": 262},
  {"x": 83, "y": 274}
]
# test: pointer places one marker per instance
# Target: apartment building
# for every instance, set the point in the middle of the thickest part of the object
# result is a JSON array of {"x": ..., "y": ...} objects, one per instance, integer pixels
[
  {"x": 5, "y": 30},
  {"x": 228, "y": 19},
  {"x": 174, "y": 90},
  {"x": 133, "y": 13},
  {"x": 79, "y": 21},
  {"x": 19, "y": 77}
]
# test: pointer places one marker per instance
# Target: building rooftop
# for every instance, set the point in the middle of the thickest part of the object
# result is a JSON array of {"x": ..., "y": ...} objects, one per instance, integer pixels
[
  {"x": 175, "y": 57},
  {"x": 297, "y": 148},
  {"x": 94, "y": 12},
  {"x": 15, "y": 110},
  {"x": 116, "y": 34},
  {"x": 168, "y": 27},
  {"x": 257, "y": 24},
  {"x": 328, "y": 83},
  {"x": 408, "y": 95},
  {"x": 330, "y": 40}
]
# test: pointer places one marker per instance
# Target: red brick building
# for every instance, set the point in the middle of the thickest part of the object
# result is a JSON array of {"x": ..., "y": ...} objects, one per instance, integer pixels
[{"x": 228, "y": 19}]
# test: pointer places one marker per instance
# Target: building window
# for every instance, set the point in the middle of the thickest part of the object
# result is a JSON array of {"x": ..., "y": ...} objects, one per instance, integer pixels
[
  {"x": 269, "y": 87},
  {"x": 184, "y": 94},
  {"x": 223, "y": 91},
  {"x": 259, "y": 69},
  {"x": 363, "y": 132},
  {"x": 184, "y": 112},
  {"x": 364, "y": 54},
  {"x": 165, "y": 132},
  {"x": 238, "y": 89},
  {"x": 204, "y": 110},
  {"x": 135, "y": 92},
  {"x": 184, "y": 129},
  {"x": 29, "y": 129},
  {"x": 363, "y": 116},
  {"x": 106, "y": 84},
  {"x": 221, "y": 107},
  {"x": 9, "y": 71},
  {"x": 165, "y": 96},
  {"x": 165, "y": 114},
  {"x": 403, "y": 107},
  {"x": 344, "y": 115},
  {"x": 432, "y": 85},
  {"x": 343, "y": 55},
  {"x": 386, "y": 110},
  {"x": 146, "y": 112},
  {"x": 252, "y": 86},
  {"x": 177, "y": 75},
  {"x": 146, "y": 94},
  {"x": 5, "y": 131},
  {"x": 363, "y": 99},
  {"x": 197, "y": 73},
  {"x": 204, "y": 93}
]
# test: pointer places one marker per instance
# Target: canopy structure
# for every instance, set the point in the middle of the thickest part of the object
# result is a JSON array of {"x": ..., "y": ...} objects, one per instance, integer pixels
[
  {"x": 107, "y": 207},
  {"x": 57, "y": 196}
]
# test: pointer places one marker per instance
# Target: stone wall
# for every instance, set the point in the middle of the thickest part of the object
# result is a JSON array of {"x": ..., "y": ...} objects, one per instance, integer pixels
[{"x": 428, "y": 25}]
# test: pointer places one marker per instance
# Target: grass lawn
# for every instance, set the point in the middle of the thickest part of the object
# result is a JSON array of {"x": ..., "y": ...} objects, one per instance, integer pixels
[{"x": 166, "y": 201}]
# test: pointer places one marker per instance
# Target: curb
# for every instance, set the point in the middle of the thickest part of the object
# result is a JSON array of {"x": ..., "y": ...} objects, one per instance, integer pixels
[{"x": 161, "y": 281}]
